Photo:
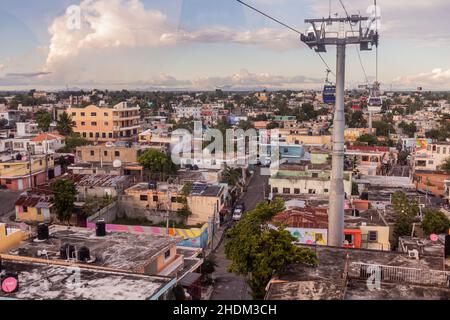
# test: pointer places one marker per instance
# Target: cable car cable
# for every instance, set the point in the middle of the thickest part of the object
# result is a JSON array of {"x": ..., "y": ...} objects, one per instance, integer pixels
[{"x": 284, "y": 25}]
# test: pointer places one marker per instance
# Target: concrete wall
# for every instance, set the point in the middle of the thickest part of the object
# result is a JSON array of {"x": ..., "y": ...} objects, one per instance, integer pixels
[{"x": 9, "y": 241}]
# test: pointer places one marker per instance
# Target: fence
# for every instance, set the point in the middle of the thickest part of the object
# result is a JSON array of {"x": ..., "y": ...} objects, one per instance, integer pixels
[{"x": 400, "y": 274}]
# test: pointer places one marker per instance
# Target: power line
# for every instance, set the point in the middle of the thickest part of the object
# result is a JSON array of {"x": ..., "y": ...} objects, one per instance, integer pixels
[
  {"x": 284, "y": 25},
  {"x": 267, "y": 16}
]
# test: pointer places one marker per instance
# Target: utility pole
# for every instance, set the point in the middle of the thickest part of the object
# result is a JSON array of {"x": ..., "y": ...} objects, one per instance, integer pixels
[
  {"x": 318, "y": 38},
  {"x": 31, "y": 166}
]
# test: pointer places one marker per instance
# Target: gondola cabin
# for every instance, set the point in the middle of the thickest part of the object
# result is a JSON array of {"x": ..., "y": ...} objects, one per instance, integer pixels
[{"x": 329, "y": 94}]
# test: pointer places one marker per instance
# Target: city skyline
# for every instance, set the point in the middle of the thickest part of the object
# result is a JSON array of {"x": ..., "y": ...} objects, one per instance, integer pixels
[{"x": 203, "y": 45}]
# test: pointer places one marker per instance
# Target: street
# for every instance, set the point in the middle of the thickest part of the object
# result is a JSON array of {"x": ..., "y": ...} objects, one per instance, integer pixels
[
  {"x": 229, "y": 286},
  {"x": 7, "y": 200}
]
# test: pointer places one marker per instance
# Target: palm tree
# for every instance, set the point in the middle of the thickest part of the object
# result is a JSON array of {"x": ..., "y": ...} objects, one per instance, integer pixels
[
  {"x": 231, "y": 176},
  {"x": 65, "y": 125}
]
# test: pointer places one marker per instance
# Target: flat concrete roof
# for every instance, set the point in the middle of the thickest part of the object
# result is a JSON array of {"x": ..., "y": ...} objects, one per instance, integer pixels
[
  {"x": 117, "y": 250},
  {"x": 39, "y": 281},
  {"x": 325, "y": 282}
]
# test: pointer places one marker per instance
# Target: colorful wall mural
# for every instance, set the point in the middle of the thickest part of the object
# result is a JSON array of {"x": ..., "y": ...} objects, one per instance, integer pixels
[
  {"x": 194, "y": 238},
  {"x": 310, "y": 236}
]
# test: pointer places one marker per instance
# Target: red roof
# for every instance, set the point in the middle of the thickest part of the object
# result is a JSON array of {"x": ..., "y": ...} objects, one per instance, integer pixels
[{"x": 47, "y": 136}]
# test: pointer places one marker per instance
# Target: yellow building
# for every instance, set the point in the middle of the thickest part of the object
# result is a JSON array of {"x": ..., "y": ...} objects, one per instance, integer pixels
[
  {"x": 34, "y": 209},
  {"x": 375, "y": 237},
  {"x": 106, "y": 124},
  {"x": 205, "y": 202},
  {"x": 162, "y": 197},
  {"x": 307, "y": 140},
  {"x": 9, "y": 238},
  {"x": 15, "y": 174}
]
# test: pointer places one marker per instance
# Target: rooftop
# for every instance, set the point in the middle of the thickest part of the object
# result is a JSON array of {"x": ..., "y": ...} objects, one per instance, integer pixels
[
  {"x": 117, "y": 250},
  {"x": 39, "y": 281},
  {"x": 326, "y": 281},
  {"x": 206, "y": 190}
]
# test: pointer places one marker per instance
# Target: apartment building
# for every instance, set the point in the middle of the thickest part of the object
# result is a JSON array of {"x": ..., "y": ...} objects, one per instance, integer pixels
[
  {"x": 96, "y": 124},
  {"x": 431, "y": 157},
  {"x": 15, "y": 174}
]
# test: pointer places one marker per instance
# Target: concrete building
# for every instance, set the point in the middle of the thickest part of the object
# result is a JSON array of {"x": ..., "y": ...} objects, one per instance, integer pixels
[
  {"x": 306, "y": 178},
  {"x": 15, "y": 174},
  {"x": 96, "y": 124},
  {"x": 205, "y": 202},
  {"x": 431, "y": 157}
]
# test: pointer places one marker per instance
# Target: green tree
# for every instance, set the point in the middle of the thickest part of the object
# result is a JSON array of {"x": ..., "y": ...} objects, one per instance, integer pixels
[
  {"x": 157, "y": 163},
  {"x": 368, "y": 139},
  {"x": 64, "y": 197},
  {"x": 44, "y": 119},
  {"x": 231, "y": 176},
  {"x": 3, "y": 123},
  {"x": 65, "y": 125},
  {"x": 435, "y": 222},
  {"x": 406, "y": 211},
  {"x": 446, "y": 165},
  {"x": 72, "y": 142},
  {"x": 356, "y": 120},
  {"x": 257, "y": 251}
]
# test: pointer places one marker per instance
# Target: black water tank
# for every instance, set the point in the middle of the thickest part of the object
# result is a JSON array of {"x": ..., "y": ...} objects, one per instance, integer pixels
[
  {"x": 67, "y": 251},
  {"x": 42, "y": 231},
  {"x": 152, "y": 185},
  {"x": 84, "y": 254},
  {"x": 447, "y": 246},
  {"x": 100, "y": 229}
]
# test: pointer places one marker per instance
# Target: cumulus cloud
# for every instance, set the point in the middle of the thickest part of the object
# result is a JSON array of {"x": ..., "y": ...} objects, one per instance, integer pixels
[
  {"x": 437, "y": 78},
  {"x": 127, "y": 23}
]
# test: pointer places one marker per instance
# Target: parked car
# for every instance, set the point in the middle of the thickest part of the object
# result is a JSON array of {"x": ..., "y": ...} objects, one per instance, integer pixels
[{"x": 237, "y": 215}]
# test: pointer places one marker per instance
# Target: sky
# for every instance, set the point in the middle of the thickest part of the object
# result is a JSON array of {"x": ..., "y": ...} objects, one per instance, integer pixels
[{"x": 209, "y": 44}]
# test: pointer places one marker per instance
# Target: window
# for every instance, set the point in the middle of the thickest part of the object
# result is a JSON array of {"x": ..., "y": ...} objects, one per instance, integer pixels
[
  {"x": 373, "y": 236},
  {"x": 325, "y": 190},
  {"x": 105, "y": 114},
  {"x": 84, "y": 134},
  {"x": 91, "y": 134},
  {"x": 315, "y": 175},
  {"x": 167, "y": 254},
  {"x": 117, "y": 153},
  {"x": 155, "y": 198},
  {"x": 286, "y": 190},
  {"x": 312, "y": 191},
  {"x": 173, "y": 199},
  {"x": 97, "y": 134},
  {"x": 83, "y": 114},
  {"x": 110, "y": 135},
  {"x": 104, "y": 135},
  {"x": 349, "y": 238},
  {"x": 438, "y": 150},
  {"x": 83, "y": 123},
  {"x": 93, "y": 114},
  {"x": 275, "y": 190},
  {"x": 39, "y": 212},
  {"x": 40, "y": 162},
  {"x": 74, "y": 114},
  {"x": 8, "y": 181},
  {"x": 92, "y": 153},
  {"x": 144, "y": 197},
  {"x": 444, "y": 150},
  {"x": 106, "y": 123},
  {"x": 296, "y": 191},
  {"x": 25, "y": 209},
  {"x": 105, "y": 153},
  {"x": 93, "y": 123}
]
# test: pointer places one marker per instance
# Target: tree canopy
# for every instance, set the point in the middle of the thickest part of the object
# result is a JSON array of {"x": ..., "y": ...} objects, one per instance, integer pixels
[
  {"x": 65, "y": 194},
  {"x": 44, "y": 120},
  {"x": 258, "y": 251},
  {"x": 157, "y": 163},
  {"x": 65, "y": 125},
  {"x": 435, "y": 222}
]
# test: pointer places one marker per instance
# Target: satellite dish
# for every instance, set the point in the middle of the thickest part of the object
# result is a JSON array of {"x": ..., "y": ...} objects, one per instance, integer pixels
[
  {"x": 117, "y": 163},
  {"x": 434, "y": 237}
]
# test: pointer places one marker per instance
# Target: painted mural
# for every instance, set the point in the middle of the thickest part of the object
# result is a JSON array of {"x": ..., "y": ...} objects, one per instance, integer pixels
[
  {"x": 310, "y": 236},
  {"x": 194, "y": 238}
]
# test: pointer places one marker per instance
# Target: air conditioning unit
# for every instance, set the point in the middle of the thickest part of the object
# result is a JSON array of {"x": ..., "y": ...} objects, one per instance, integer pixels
[{"x": 413, "y": 254}]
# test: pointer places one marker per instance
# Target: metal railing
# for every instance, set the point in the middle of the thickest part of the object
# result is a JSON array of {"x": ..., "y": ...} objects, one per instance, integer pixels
[{"x": 400, "y": 274}]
